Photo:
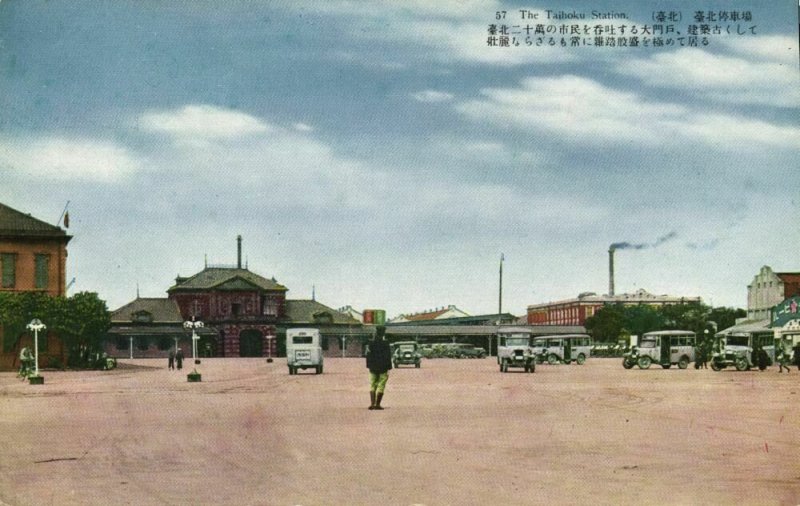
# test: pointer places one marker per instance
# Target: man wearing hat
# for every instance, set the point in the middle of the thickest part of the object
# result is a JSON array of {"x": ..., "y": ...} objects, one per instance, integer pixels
[{"x": 379, "y": 362}]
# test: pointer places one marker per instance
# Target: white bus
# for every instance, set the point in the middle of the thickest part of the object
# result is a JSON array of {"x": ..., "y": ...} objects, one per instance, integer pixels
[
  {"x": 664, "y": 347},
  {"x": 565, "y": 348}
]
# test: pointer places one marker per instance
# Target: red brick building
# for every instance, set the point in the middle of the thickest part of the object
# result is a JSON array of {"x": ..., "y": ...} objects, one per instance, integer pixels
[
  {"x": 576, "y": 311},
  {"x": 33, "y": 258}
]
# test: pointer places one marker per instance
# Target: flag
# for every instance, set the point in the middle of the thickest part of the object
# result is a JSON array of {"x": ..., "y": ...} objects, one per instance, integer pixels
[{"x": 66, "y": 219}]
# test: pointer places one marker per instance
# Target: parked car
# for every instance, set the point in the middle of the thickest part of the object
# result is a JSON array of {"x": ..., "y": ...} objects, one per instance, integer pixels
[{"x": 406, "y": 353}]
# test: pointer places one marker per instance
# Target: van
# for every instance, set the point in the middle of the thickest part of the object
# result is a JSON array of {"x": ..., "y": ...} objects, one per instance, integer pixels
[{"x": 303, "y": 350}]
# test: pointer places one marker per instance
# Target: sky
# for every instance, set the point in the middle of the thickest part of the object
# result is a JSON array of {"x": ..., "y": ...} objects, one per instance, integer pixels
[{"x": 384, "y": 155}]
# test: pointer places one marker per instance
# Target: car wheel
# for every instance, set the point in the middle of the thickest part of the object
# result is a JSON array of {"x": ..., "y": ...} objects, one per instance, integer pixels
[
  {"x": 626, "y": 363},
  {"x": 552, "y": 359},
  {"x": 715, "y": 366},
  {"x": 741, "y": 363},
  {"x": 581, "y": 359},
  {"x": 683, "y": 363},
  {"x": 644, "y": 362}
]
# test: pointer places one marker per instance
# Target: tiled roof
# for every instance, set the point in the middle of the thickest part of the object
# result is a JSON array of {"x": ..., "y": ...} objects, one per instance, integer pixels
[
  {"x": 425, "y": 316},
  {"x": 16, "y": 223},
  {"x": 218, "y": 277},
  {"x": 303, "y": 311},
  {"x": 162, "y": 310}
]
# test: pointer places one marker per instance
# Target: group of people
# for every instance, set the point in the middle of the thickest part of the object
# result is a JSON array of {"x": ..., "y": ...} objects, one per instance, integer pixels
[{"x": 175, "y": 359}]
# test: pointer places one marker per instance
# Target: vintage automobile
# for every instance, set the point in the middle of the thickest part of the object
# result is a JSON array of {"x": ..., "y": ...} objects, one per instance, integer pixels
[
  {"x": 665, "y": 347},
  {"x": 303, "y": 350},
  {"x": 514, "y": 349},
  {"x": 406, "y": 353},
  {"x": 562, "y": 349},
  {"x": 739, "y": 349}
]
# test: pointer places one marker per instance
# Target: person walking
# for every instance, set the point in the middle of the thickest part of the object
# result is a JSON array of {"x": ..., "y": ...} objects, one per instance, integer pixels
[
  {"x": 796, "y": 355},
  {"x": 379, "y": 363},
  {"x": 171, "y": 360},
  {"x": 179, "y": 359},
  {"x": 783, "y": 358}
]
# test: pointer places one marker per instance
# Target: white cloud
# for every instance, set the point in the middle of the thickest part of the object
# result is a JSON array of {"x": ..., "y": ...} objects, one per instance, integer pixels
[
  {"x": 302, "y": 127},
  {"x": 58, "y": 158},
  {"x": 720, "y": 78},
  {"x": 584, "y": 110},
  {"x": 432, "y": 96},
  {"x": 203, "y": 122}
]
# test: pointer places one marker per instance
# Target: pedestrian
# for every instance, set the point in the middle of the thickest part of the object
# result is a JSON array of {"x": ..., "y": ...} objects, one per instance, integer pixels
[
  {"x": 763, "y": 358},
  {"x": 171, "y": 360},
  {"x": 796, "y": 355},
  {"x": 179, "y": 359},
  {"x": 379, "y": 362},
  {"x": 783, "y": 358}
]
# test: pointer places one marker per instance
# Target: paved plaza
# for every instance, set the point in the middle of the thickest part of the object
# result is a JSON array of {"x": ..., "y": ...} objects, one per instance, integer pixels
[{"x": 453, "y": 432}]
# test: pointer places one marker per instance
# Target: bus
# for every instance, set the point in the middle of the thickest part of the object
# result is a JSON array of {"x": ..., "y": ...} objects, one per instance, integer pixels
[
  {"x": 564, "y": 349},
  {"x": 736, "y": 349},
  {"x": 664, "y": 347}
]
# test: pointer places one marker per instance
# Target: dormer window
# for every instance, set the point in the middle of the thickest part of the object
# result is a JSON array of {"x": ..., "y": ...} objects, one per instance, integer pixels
[{"x": 142, "y": 317}]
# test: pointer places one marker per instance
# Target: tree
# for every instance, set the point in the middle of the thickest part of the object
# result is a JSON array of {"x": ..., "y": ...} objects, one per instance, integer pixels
[
  {"x": 642, "y": 318},
  {"x": 80, "y": 321},
  {"x": 606, "y": 324},
  {"x": 726, "y": 317}
]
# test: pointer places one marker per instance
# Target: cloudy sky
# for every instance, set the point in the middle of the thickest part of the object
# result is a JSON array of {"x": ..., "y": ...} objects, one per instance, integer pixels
[{"x": 383, "y": 153}]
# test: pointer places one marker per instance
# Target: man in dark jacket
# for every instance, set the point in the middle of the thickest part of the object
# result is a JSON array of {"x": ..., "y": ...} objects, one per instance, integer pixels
[{"x": 379, "y": 362}]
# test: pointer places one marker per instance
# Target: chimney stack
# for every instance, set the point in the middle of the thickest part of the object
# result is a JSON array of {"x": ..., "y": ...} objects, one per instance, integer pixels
[
  {"x": 611, "y": 272},
  {"x": 238, "y": 252}
]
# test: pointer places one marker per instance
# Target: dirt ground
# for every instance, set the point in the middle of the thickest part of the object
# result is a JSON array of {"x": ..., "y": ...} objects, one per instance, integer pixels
[{"x": 453, "y": 432}]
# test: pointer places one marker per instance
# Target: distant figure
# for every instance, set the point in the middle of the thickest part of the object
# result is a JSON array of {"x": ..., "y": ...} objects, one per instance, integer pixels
[
  {"x": 26, "y": 363},
  {"x": 762, "y": 359},
  {"x": 379, "y": 362},
  {"x": 179, "y": 359},
  {"x": 796, "y": 355},
  {"x": 171, "y": 360},
  {"x": 783, "y": 358}
]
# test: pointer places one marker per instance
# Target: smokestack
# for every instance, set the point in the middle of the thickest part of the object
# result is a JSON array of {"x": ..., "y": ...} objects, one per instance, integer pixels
[
  {"x": 611, "y": 272},
  {"x": 238, "y": 252}
]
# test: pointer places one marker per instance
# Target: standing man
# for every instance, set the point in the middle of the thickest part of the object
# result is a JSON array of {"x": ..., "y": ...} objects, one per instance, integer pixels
[
  {"x": 179, "y": 359},
  {"x": 171, "y": 359},
  {"x": 379, "y": 362}
]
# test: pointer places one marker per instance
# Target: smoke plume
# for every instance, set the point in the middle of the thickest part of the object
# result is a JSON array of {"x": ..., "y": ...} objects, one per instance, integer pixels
[{"x": 658, "y": 242}]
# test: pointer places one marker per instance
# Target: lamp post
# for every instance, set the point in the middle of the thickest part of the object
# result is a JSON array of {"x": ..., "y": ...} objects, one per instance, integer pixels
[
  {"x": 36, "y": 325},
  {"x": 270, "y": 338},
  {"x": 194, "y": 325}
]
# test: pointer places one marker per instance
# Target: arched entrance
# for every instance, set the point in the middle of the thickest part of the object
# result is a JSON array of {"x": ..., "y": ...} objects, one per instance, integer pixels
[{"x": 251, "y": 343}]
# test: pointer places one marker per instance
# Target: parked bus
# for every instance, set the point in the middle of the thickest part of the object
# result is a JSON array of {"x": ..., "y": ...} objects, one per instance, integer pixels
[
  {"x": 736, "y": 349},
  {"x": 564, "y": 348},
  {"x": 664, "y": 347}
]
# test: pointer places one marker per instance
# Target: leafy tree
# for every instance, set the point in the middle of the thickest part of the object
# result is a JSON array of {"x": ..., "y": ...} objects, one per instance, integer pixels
[
  {"x": 642, "y": 318},
  {"x": 606, "y": 324},
  {"x": 726, "y": 317},
  {"x": 80, "y": 321}
]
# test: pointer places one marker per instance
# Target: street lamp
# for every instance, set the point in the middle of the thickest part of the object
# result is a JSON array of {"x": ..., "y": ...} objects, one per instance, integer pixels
[
  {"x": 194, "y": 325},
  {"x": 270, "y": 338},
  {"x": 36, "y": 325}
]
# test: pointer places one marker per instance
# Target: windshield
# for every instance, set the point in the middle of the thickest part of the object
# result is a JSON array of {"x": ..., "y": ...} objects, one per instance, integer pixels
[
  {"x": 737, "y": 340},
  {"x": 647, "y": 343},
  {"x": 302, "y": 339},
  {"x": 517, "y": 341},
  {"x": 407, "y": 347}
]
